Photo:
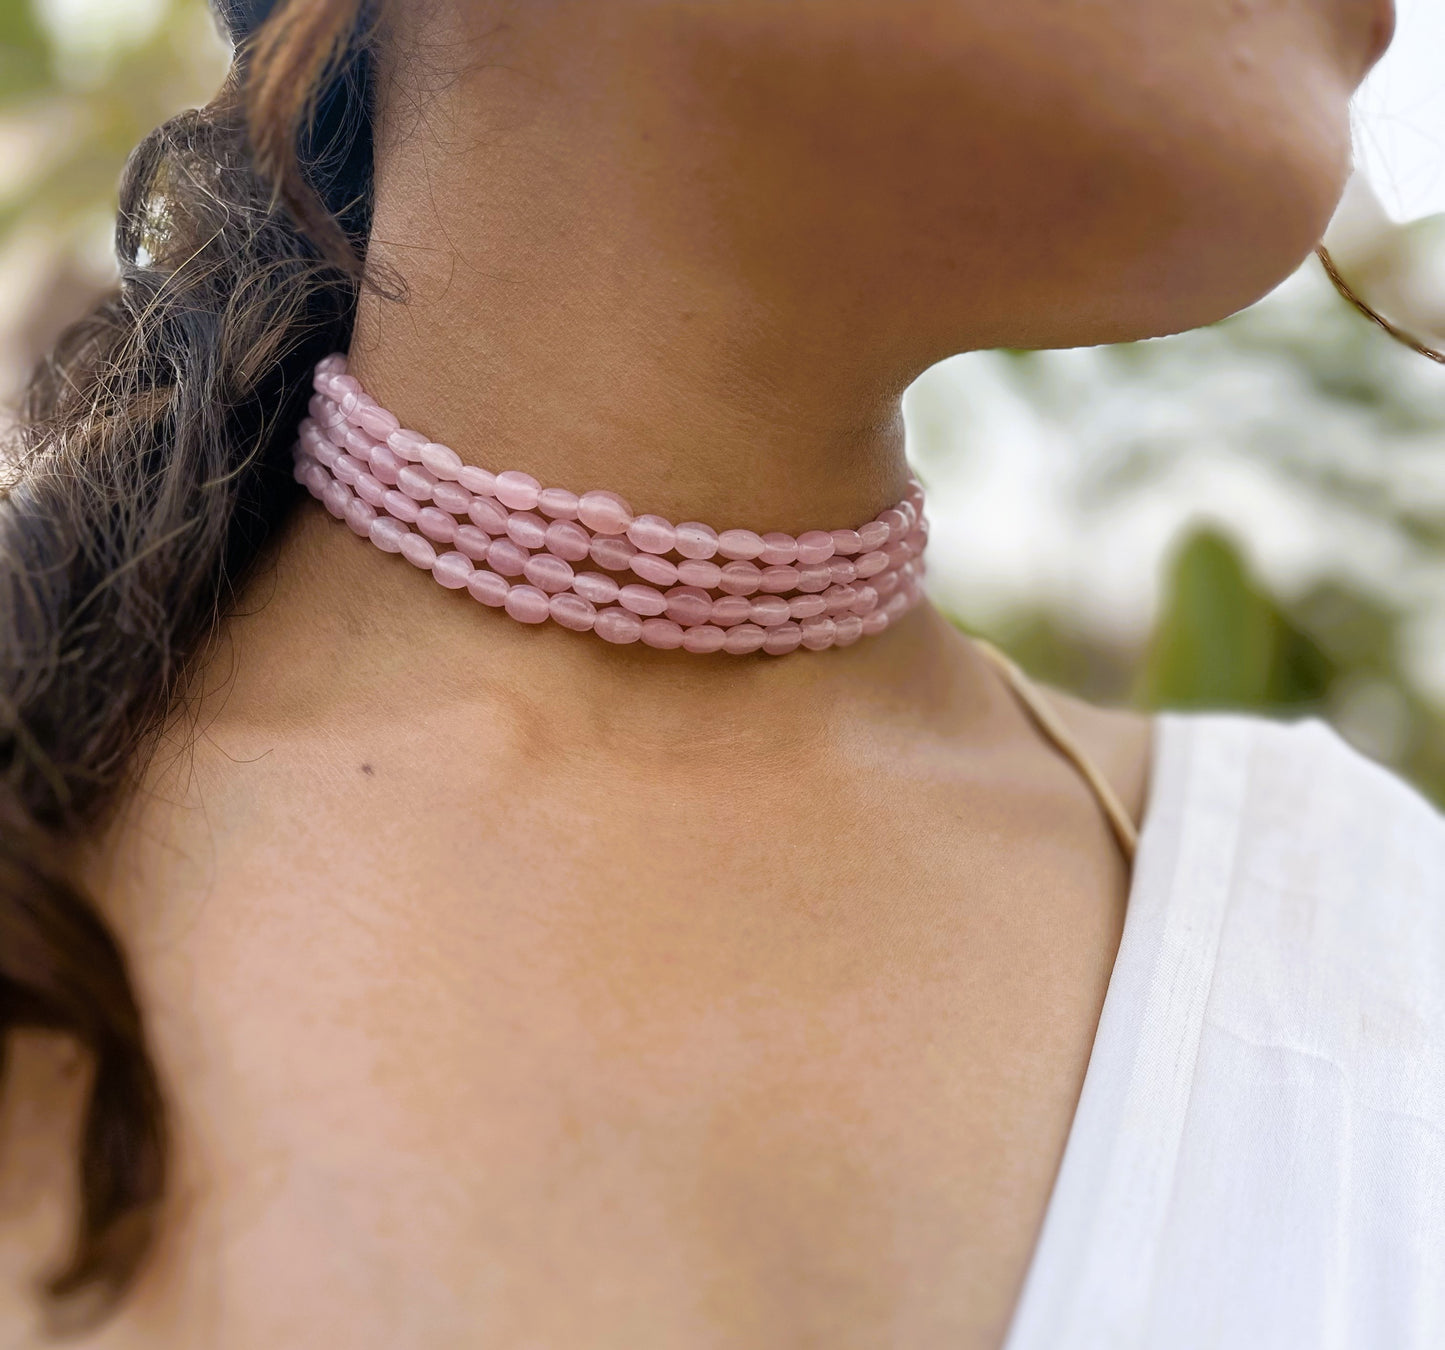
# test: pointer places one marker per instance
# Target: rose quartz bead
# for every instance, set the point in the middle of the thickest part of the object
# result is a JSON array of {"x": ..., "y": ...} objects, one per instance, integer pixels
[
  {"x": 526, "y": 529},
  {"x": 875, "y": 623},
  {"x": 386, "y": 465},
  {"x": 597, "y": 587},
  {"x": 387, "y": 534},
  {"x": 505, "y": 557},
  {"x": 778, "y": 549},
  {"x": 870, "y": 564},
  {"x": 369, "y": 489},
  {"x": 741, "y": 544},
  {"x": 839, "y": 599},
  {"x": 481, "y": 481},
  {"x": 778, "y": 580},
  {"x": 416, "y": 482},
  {"x": 557, "y": 503},
  {"x": 346, "y": 470},
  {"x": 341, "y": 386},
  {"x": 815, "y": 546},
  {"x": 746, "y": 637},
  {"x": 814, "y": 578},
  {"x": 848, "y": 630},
  {"x": 910, "y": 516},
  {"x": 572, "y": 611},
  {"x": 873, "y": 535},
  {"x": 441, "y": 460},
  {"x": 886, "y": 583},
  {"x": 897, "y": 523},
  {"x": 567, "y": 540},
  {"x": 472, "y": 542},
  {"x": 652, "y": 534},
  {"x": 617, "y": 625},
  {"x": 645, "y": 600},
  {"x": 407, "y": 444},
  {"x": 401, "y": 506},
  {"x": 704, "y": 638},
  {"x": 612, "y": 552},
  {"x": 488, "y": 587},
  {"x": 783, "y": 639},
  {"x": 452, "y": 570},
  {"x": 436, "y": 525},
  {"x": 806, "y": 606},
  {"x": 844, "y": 571},
  {"x": 604, "y": 512},
  {"x": 451, "y": 497},
  {"x": 527, "y": 604},
  {"x": 325, "y": 412},
  {"x": 359, "y": 516},
  {"x": 334, "y": 496},
  {"x": 688, "y": 605},
  {"x": 695, "y": 540},
  {"x": 517, "y": 491},
  {"x": 739, "y": 578},
  {"x": 360, "y": 444},
  {"x": 730, "y": 610},
  {"x": 768, "y": 611},
  {"x": 486, "y": 515},
  {"x": 335, "y": 364},
  {"x": 419, "y": 552},
  {"x": 846, "y": 542},
  {"x": 548, "y": 573},
  {"x": 867, "y": 600},
  {"x": 697, "y": 572},
  {"x": 656, "y": 570},
  {"x": 663, "y": 634},
  {"x": 376, "y": 421},
  {"x": 338, "y": 436},
  {"x": 897, "y": 554},
  {"x": 897, "y": 606},
  {"x": 818, "y": 633}
]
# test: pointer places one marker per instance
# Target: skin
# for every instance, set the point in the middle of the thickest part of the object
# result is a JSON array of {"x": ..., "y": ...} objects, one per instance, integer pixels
[{"x": 517, "y": 990}]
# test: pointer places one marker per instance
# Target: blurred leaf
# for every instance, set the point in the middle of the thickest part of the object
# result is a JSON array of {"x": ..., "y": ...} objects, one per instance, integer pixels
[{"x": 25, "y": 56}]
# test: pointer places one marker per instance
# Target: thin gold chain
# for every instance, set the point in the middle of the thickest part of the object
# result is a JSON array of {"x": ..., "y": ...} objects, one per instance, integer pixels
[{"x": 1394, "y": 330}]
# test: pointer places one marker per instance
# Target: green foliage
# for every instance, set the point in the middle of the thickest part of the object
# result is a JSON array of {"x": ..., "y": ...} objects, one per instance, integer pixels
[{"x": 25, "y": 56}]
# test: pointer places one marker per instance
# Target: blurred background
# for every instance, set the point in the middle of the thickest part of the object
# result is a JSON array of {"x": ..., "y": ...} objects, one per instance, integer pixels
[{"x": 1249, "y": 516}]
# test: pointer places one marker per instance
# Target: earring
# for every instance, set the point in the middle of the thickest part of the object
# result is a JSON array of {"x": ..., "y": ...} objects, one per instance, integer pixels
[{"x": 1394, "y": 330}]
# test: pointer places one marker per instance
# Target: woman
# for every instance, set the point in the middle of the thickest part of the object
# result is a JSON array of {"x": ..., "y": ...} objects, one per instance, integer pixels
[{"x": 458, "y": 980}]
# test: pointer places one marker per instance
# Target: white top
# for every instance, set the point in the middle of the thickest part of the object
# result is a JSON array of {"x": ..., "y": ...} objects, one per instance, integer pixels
[{"x": 1258, "y": 1157}]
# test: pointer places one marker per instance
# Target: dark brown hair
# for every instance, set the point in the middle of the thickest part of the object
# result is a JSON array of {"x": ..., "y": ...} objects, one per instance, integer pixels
[{"x": 149, "y": 468}]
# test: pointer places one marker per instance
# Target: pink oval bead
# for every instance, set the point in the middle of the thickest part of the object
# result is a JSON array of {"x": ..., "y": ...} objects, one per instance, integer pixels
[
  {"x": 369, "y": 489},
  {"x": 779, "y": 549},
  {"x": 572, "y": 611},
  {"x": 815, "y": 546},
  {"x": 870, "y": 564},
  {"x": 867, "y": 600},
  {"x": 875, "y": 623},
  {"x": 359, "y": 516},
  {"x": 486, "y": 515},
  {"x": 505, "y": 557},
  {"x": 472, "y": 542},
  {"x": 596, "y": 587},
  {"x": 342, "y": 385},
  {"x": 818, "y": 633},
  {"x": 416, "y": 482},
  {"x": 452, "y": 570},
  {"x": 548, "y": 573},
  {"x": 436, "y": 525},
  {"x": 897, "y": 554},
  {"x": 844, "y": 571},
  {"x": 814, "y": 578},
  {"x": 386, "y": 465},
  {"x": 346, "y": 470},
  {"x": 419, "y": 552},
  {"x": 527, "y": 604},
  {"x": 696, "y": 572},
  {"x": 335, "y": 364},
  {"x": 568, "y": 540},
  {"x": 488, "y": 588},
  {"x": 451, "y": 497},
  {"x": 745, "y": 638},
  {"x": 898, "y": 524},
  {"x": 663, "y": 634},
  {"x": 612, "y": 552},
  {"x": 557, "y": 504},
  {"x": 847, "y": 630},
  {"x": 526, "y": 529},
  {"x": 846, "y": 542},
  {"x": 704, "y": 638},
  {"x": 777, "y": 580},
  {"x": 740, "y": 544},
  {"x": 617, "y": 625},
  {"x": 652, "y": 534},
  {"x": 517, "y": 490},
  {"x": 768, "y": 611},
  {"x": 688, "y": 605},
  {"x": 897, "y": 606},
  {"x": 872, "y": 535},
  {"x": 407, "y": 444},
  {"x": 401, "y": 506},
  {"x": 886, "y": 583},
  {"x": 604, "y": 512},
  {"x": 739, "y": 578},
  {"x": 441, "y": 460},
  {"x": 730, "y": 610},
  {"x": 910, "y": 515},
  {"x": 839, "y": 598},
  {"x": 659, "y": 571},
  {"x": 783, "y": 639},
  {"x": 476, "y": 479},
  {"x": 695, "y": 540},
  {"x": 387, "y": 534},
  {"x": 806, "y": 606},
  {"x": 334, "y": 497},
  {"x": 376, "y": 421},
  {"x": 640, "y": 599}
]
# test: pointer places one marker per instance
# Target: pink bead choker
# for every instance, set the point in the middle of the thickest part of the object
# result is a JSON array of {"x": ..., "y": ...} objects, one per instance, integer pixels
[{"x": 518, "y": 546}]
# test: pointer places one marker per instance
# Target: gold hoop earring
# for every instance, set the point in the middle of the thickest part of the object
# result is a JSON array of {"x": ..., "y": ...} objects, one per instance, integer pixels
[{"x": 1394, "y": 330}]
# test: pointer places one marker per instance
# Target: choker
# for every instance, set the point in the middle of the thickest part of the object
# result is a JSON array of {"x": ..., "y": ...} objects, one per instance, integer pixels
[{"x": 587, "y": 562}]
